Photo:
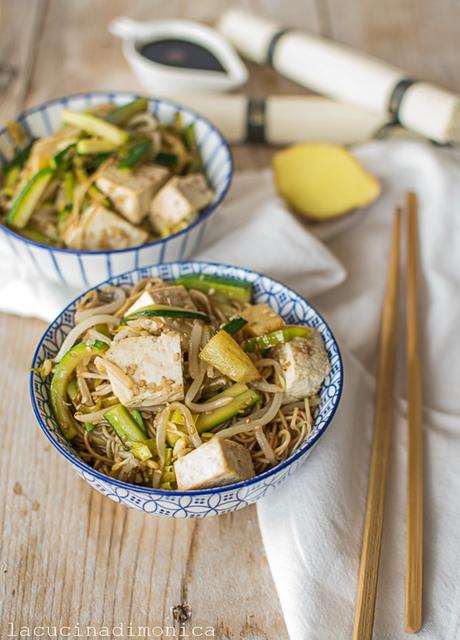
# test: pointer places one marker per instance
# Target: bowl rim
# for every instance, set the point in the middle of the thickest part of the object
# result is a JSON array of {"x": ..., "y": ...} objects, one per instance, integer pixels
[
  {"x": 73, "y": 459},
  {"x": 160, "y": 241}
]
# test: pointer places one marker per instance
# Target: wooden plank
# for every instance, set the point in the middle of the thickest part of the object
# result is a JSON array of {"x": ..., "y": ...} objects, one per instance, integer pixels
[
  {"x": 422, "y": 37},
  {"x": 21, "y": 21},
  {"x": 69, "y": 554}
]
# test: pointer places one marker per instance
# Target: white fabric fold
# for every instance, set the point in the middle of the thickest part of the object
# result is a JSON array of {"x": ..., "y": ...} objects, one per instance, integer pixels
[{"x": 312, "y": 526}]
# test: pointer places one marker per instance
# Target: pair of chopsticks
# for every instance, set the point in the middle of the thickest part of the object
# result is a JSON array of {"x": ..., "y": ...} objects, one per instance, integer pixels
[{"x": 373, "y": 525}]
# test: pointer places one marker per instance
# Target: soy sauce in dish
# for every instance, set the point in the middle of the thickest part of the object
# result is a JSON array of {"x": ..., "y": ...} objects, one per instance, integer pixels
[{"x": 181, "y": 53}]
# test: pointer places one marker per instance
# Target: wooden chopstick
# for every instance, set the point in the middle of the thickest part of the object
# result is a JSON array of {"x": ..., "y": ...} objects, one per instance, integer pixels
[
  {"x": 414, "y": 541},
  {"x": 373, "y": 524}
]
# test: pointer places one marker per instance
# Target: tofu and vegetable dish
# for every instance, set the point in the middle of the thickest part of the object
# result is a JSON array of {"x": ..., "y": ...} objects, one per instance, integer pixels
[
  {"x": 110, "y": 178},
  {"x": 184, "y": 384}
]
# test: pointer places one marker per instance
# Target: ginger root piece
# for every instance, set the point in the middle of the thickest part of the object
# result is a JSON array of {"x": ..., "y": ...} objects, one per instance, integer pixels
[{"x": 323, "y": 181}]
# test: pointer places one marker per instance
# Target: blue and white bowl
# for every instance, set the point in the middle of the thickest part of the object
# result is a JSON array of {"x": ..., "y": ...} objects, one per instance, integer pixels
[
  {"x": 202, "y": 503},
  {"x": 83, "y": 269}
]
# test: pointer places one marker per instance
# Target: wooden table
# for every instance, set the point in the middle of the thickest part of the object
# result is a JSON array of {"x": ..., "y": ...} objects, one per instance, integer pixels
[{"x": 68, "y": 555}]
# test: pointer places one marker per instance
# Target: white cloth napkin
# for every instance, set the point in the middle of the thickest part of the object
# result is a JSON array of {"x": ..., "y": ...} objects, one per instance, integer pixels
[{"x": 312, "y": 525}]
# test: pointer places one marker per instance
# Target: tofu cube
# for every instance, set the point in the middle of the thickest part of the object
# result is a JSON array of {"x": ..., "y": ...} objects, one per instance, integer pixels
[
  {"x": 179, "y": 201},
  {"x": 174, "y": 296},
  {"x": 153, "y": 325},
  {"x": 216, "y": 463},
  {"x": 261, "y": 319},
  {"x": 132, "y": 192},
  {"x": 305, "y": 364},
  {"x": 143, "y": 301},
  {"x": 154, "y": 364},
  {"x": 100, "y": 229}
]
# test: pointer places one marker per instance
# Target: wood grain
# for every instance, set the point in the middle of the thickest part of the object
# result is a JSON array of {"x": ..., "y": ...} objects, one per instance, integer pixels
[
  {"x": 21, "y": 22},
  {"x": 66, "y": 553},
  {"x": 418, "y": 36},
  {"x": 414, "y": 543},
  {"x": 383, "y": 418},
  {"x": 70, "y": 555}
]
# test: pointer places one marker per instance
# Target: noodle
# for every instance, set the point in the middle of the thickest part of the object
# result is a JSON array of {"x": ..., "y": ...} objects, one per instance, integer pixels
[
  {"x": 80, "y": 328},
  {"x": 110, "y": 307},
  {"x": 269, "y": 429}
]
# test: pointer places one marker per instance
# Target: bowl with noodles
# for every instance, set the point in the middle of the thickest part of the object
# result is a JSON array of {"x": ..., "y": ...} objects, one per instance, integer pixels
[
  {"x": 95, "y": 184},
  {"x": 186, "y": 389}
]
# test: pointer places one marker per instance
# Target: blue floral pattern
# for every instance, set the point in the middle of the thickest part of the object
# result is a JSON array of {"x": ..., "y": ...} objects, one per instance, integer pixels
[{"x": 194, "y": 504}]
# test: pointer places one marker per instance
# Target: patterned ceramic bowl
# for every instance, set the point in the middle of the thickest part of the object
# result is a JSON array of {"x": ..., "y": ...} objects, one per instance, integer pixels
[
  {"x": 83, "y": 269},
  {"x": 201, "y": 503}
]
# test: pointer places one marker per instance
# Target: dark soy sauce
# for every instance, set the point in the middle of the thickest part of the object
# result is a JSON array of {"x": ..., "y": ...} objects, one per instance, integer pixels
[{"x": 181, "y": 53}]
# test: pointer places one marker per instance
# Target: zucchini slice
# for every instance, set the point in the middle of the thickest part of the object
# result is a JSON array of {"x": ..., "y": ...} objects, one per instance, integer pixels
[
  {"x": 90, "y": 146},
  {"x": 95, "y": 126},
  {"x": 242, "y": 399},
  {"x": 120, "y": 115},
  {"x": 137, "y": 153},
  {"x": 240, "y": 403},
  {"x": 124, "y": 425},
  {"x": 63, "y": 374},
  {"x": 160, "y": 310},
  {"x": 24, "y": 205},
  {"x": 232, "y": 288},
  {"x": 276, "y": 338}
]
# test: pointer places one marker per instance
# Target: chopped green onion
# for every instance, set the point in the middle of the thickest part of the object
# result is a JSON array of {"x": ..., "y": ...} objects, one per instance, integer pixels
[
  {"x": 141, "y": 451},
  {"x": 137, "y": 415},
  {"x": 276, "y": 338},
  {"x": 166, "y": 158},
  {"x": 136, "y": 154},
  {"x": 58, "y": 158},
  {"x": 190, "y": 137},
  {"x": 234, "y": 325},
  {"x": 121, "y": 115},
  {"x": 159, "y": 310}
]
